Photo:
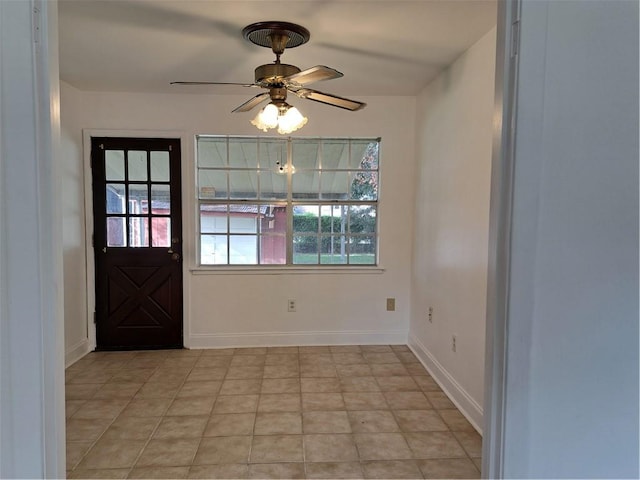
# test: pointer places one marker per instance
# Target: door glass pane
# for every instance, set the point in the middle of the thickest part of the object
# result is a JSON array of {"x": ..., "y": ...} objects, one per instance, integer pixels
[
  {"x": 160, "y": 232},
  {"x": 160, "y": 199},
  {"x": 116, "y": 198},
  {"x": 116, "y": 232},
  {"x": 160, "y": 166},
  {"x": 138, "y": 199},
  {"x": 213, "y": 249},
  {"x": 114, "y": 165},
  {"x": 137, "y": 165},
  {"x": 139, "y": 231}
]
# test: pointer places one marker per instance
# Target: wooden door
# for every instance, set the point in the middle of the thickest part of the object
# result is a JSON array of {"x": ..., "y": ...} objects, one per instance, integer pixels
[{"x": 137, "y": 242}]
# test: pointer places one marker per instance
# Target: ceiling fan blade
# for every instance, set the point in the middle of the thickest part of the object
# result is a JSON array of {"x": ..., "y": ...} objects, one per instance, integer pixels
[
  {"x": 215, "y": 83},
  {"x": 252, "y": 102},
  {"x": 333, "y": 100},
  {"x": 313, "y": 74}
]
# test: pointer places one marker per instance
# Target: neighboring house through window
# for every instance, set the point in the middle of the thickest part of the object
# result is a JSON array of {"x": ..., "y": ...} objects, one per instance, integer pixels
[{"x": 287, "y": 201}]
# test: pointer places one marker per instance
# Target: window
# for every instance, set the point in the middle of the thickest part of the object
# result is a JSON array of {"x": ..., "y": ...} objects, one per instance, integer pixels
[{"x": 286, "y": 201}]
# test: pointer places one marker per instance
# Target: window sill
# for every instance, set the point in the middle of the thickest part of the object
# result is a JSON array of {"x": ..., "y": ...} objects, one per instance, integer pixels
[{"x": 286, "y": 270}]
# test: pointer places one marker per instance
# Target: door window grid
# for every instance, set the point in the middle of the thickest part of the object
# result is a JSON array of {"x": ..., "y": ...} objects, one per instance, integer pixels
[
  {"x": 141, "y": 175},
  {"x": 257, "y": 177}
]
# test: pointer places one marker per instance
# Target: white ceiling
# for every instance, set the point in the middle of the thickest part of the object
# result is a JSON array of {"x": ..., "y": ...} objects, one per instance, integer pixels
[{"x": 383, "y": 47}]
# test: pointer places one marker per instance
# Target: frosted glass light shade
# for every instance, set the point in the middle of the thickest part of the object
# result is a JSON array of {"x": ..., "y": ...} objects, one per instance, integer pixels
[
  {"x": 291, "y": 121},
  {"x": 267, "y": 118},
  {"x": 285, "y": 118}
]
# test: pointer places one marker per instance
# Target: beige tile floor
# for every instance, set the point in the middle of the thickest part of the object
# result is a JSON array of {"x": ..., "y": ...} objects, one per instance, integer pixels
[{"x": 281, "y": 412}]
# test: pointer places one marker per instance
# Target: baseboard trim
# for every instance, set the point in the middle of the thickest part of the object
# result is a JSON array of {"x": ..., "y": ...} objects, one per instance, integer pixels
[
  {"x": 277, "y": 339},
  {"x": 76, "y": 352},
  {"x": 458, "y": 395}
]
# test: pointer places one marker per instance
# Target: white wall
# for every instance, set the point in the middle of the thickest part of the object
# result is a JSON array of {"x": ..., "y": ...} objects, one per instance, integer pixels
[
  {"x": 454, "y": 134},
  {"x": 572, "y": 352},
  {"x": 250, "y": 309},
  {"x": 32, "y": 428},
  {"x": 73, "y": 223}
]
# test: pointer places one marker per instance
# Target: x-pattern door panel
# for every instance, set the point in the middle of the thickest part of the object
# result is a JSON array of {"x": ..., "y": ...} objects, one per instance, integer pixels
[{"x": 137, "y": 239}]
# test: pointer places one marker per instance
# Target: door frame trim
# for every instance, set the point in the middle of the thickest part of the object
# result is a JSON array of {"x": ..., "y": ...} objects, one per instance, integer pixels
[
  {"x": 186, "y": 154},
  {"x": 500, "y": 220}
]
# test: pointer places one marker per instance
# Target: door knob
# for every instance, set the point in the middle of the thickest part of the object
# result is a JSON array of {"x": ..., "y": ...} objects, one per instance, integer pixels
[{"x": 175, "y": 256}]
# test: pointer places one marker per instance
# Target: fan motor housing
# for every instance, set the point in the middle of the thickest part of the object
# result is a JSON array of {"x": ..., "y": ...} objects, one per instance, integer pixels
[{"x": 273, "y": 72}]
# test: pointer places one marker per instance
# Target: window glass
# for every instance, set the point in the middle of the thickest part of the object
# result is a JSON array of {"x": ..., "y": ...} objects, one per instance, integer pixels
[
  {"x": 213, "y": 218},
  {"x": 243, "y": 153},
  {"x": 334, "y": 185},
  {"x": 362, "y": 249},
  {"x": 212, "y": 152},
  {"x": 335, "y": 155},
  {"x": 213, "y": 249},
  {"x": 306, "y": 185},
  {"x": 273, "y": 185},
  {"x": 212, "y": 184},
  {"x": 243, "y": 184},
  {"x": 362, "y": 219}
]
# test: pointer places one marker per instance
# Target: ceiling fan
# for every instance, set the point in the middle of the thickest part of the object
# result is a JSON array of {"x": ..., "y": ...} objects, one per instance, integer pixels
[{"x": 280, "y": 78}]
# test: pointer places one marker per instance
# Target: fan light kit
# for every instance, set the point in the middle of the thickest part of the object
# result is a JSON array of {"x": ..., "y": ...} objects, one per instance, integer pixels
[{"x": 279, "y": 78}]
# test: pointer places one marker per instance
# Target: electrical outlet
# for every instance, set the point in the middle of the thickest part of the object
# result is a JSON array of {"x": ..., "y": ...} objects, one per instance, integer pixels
[
  {"x": 291, "y": 305},
  {"x": 453, "y": 343},
  {"x": 430, "y": 315},
  {"x": 391, "y": 304}
]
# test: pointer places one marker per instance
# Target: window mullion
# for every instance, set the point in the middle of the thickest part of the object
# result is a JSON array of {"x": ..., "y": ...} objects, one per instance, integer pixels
[
  {"x": 228, "y": 205},
  {"x": 289, "y": 207}
]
